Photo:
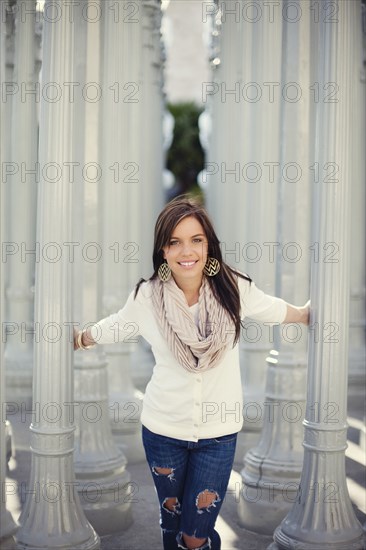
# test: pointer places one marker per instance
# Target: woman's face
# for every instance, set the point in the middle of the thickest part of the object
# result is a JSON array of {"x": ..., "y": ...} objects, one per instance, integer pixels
[{"x": 186, "y": 253}]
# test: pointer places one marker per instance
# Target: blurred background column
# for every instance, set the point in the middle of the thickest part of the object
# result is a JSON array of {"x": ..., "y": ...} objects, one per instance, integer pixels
[
  {"x": 7, "y": 524},
  {"x": 322, "y": 515},
  {"x": 357, "y": 352},
  {"x": 22, "y": 191},
  {"x": 242, "y": 168},
  {"x": 100, "y": 467},
  {"x": 150, "y": 155},
  {"x": 260, "y": 199},
  {"x": 52, "y": 515},
  {"x": 132, "y": 163},
  {"x": 272, "y": 469}
]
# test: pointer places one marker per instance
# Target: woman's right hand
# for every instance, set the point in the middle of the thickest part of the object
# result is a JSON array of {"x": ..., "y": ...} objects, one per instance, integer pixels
[
  {"x": 86, "y": 339},
  {"x": 76, "y": 335}
]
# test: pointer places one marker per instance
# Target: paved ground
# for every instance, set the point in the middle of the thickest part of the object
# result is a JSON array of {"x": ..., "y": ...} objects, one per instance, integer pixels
[{"x": 144, "y": 532}]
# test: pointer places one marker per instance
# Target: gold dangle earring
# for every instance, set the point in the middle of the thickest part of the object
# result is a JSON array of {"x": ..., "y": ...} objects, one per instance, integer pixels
[
  {"x": 164, "y": 272},
  {"x": 212, "y": 267}
]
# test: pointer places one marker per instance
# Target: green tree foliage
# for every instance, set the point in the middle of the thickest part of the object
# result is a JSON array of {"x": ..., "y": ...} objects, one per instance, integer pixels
[{"x": 185, "y": 156}]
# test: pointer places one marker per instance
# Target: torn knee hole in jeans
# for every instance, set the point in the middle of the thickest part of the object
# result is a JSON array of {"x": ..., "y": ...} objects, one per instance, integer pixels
[
  {"x": 171, "y": 505},
  {"x": 206, "y": 500},
  {"x": 168, "y": 472},
  {"x": 183, "y": 544}
]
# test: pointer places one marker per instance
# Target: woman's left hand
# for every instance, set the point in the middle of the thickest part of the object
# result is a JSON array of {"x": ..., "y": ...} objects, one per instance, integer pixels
[
  {"x": 306, "y": 313},
  {"x": 298, "y": 314}
]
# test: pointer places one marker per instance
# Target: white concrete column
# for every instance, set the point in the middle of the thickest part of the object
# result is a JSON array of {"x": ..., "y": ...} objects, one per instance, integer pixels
[
  {"x": 322, "y": 516},
  {"x": 272, "y": 468},
  {"x": 122, "y": 192},
  {"x": 8, "y": 14},
  {"x": 100, "y": 467},
  {"x": 52, "y": 515},
  {"x": 241, "y": 177},
  {"x": 209, "y": 98},
  {"x": 357, "y": 352},
  {"x": 259, "y": 201},
  {"x": 151, "y": 120},
  {"x": 230, "y": 115},
  {"x": 150, "y": 159},
  {"x": 7, "y": 524},
  {"x": 22, "y": 216},
  {"x": 225, "y": 156},
  {"x": 141, "y": 360}
]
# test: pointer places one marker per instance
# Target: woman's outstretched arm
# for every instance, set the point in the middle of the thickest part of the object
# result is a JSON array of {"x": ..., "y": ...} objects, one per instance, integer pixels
[{"x": 298, "y": 314}]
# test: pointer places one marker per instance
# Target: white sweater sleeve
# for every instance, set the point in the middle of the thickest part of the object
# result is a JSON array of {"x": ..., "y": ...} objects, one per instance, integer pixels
[
  {"x": 123, "y": 326},
  {"x": 260, "y": 306}
]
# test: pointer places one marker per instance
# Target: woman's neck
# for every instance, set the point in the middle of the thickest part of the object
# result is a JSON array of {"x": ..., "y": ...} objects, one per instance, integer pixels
[{"x": 191, "y": 289}]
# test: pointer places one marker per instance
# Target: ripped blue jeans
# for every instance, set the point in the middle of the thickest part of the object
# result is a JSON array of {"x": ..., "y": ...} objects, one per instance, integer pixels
[{"x": 191, "y": 480}]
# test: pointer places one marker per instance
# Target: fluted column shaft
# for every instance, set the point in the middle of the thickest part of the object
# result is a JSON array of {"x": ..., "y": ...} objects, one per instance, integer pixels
[
  {"x": 56, "y": 520},
  {"x": 318, "y": 519},
  {"x": 149, "y": 192},
  {"x": 121, "y": 193},
  {"x": 274, "y": 466},
  {"x": 22, "y": 195},
  {"x": 99, "y": 464},
  {"x": 242, "y": 177},
  {"x": 7, "y": 524},
  {"x": 225, "y": 157},
  {"x": 357, "y": 321},
  {"x": 151, "y": 129},
  {"x": 259, "y": 213}
]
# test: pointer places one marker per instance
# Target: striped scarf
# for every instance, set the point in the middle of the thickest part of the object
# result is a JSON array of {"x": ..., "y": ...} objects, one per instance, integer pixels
[{"x": 195, "y": 348}]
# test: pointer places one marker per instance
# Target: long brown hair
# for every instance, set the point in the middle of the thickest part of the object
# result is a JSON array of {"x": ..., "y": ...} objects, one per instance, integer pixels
[{"x": 224, "y": 284}]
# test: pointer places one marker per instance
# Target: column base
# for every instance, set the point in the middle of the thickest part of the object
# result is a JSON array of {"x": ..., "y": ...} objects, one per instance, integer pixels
[
  {"x": 8, "y": 543},
  {"x": 283, "y": 542},
  {"x": 108, "y": 505},
  {"x": 261, "y": 509},
  {"x": 92, "y": 544},
  {"x": 246, "y": 440},
  {"x": 111, "y": 521},
  {"x": 131, "y": 445},
  {"x": 52, "y": 516},
  {"x": 106, "y": 497},
  {"x": 8, "y": 527}
]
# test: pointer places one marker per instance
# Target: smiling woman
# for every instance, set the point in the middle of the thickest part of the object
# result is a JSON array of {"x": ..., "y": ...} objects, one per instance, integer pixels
[
  {"x": 186, "y": 256},
  {"x": 197, "y": 361}
]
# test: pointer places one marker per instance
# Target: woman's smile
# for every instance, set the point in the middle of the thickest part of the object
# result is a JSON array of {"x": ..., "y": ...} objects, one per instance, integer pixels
[
  {"x": 186, "y": 252},
  {"x": 188, "y": 264}
]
